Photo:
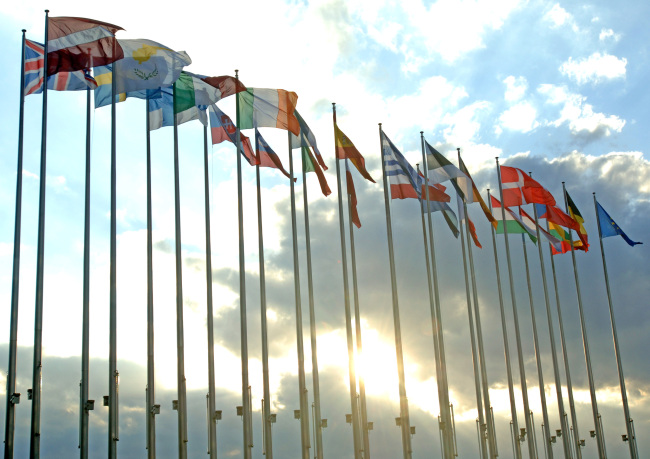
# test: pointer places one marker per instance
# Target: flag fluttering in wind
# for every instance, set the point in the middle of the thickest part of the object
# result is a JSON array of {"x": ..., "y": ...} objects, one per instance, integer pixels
[
  {"x": 608, "y": 226},
  {"x": 520, "y": 188},
  {"x": 448, "y": 214},
  {"x": 345, "y": 149},
  {"x": 259, "y": 107},
  {"x": 222, "y": 128},
  {"x": 404, "y": 180},
  {"x": 557, "y": 216},
  {"x": 352, "y": 193},
  {"x": 477, "y": 196},
  {"x": 583, "y": 243},
  {"x": 103, "y": 91},
  {"x": 513, "y": 222},
  {"x": 310, "y": 164},
  {"x": 80, "y": 43},
  {"x": 436, "y": 191},
  {"x": 62, "y": 81},
  {"x": 266, "y": 156},
  {"x": 472, "y": 228},
  {"x": 306, "y": 138},
  {"x": 440, "y": 170},
  {"x": 557, "y": 231}
]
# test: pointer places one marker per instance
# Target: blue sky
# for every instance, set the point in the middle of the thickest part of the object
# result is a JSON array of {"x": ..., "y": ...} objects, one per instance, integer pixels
[{"x": 558, "y": 89}]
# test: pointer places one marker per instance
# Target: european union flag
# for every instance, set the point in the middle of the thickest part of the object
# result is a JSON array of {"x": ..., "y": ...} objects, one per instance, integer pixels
[{"x": 608, "y": 226}]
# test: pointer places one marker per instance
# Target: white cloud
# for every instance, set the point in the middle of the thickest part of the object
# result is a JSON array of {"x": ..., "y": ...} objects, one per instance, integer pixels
[
  {"x": 516, "y": 87},
  {"x": 595, "y": 69},
  {"x": 606, "y": 34},
  {"x": 560, "y": 17},
  {"x": 521, "y": 117}
]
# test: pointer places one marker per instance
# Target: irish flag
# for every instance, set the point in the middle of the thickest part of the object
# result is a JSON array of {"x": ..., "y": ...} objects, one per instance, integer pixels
[{"x": 268, "y": 108}]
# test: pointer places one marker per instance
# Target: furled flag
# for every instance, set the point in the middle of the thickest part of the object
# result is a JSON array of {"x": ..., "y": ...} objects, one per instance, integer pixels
[
  {"x": 472, "y": 228},
  {"x": 268, "y": 108},
  {"x": 608, "y": 226},
  {"x": 266, "y": 156},
  {"x": 477, "y": 196},
  {"x": 519, "y": 186},
  {"x": 352, "y": 193},
  {"x": 62, "y": 81},
  {"x": 80, "y": 43},
  {"x": 401, "y": 175},
  {"x": 555, "y": 215},
  {"x": 440, "y": 170},
  {"x": 309, "y": 164},
  {"x": 583, "y": 243},
  {"x": 306, "y": 139},
  {"x": 222, "y": 128},
  {"x": 346, "y": 149}
]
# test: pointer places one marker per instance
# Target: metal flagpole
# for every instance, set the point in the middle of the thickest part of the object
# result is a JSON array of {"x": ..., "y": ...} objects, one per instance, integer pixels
[
  {"x": 548, "y": 446},
  {"x": 435, "y": 331},
  {"x": 447, "y": 422},
  {"x": 266, "y": 415},
  {"x": 35, "y": 438},
  {"x": 357, "y": 323},
  {"x": 13, "y": 398},
  {"x": 304, "y": 408},
  {"x": 180, "y": 339},
  {"x": 567, "y": 370},
  {"x": 405, "y": 422},
  {"x": 600, "y": 440},
  {"x": 212, "y": 421},
  {"x": 312, "y": 328},
  {"x": 516, "y": 445},
  {"x": 522, "y": 371},
  {"x": 348, "y": 316},
  {"x": 556, "y": 371},
  {"x": 246, "y": 413},
  {"x": 631, "y": 438},
  {"x": 151, "y": 382}
]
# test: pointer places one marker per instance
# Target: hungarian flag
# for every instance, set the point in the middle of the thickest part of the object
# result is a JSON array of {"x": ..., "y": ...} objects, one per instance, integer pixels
[
  {"x": 222, "y": 128},
  {"x": 268, "y": 108},
  {"x": 346, "y": 149},
  {"x": 352, "y": 194},
  {"x": 80, "y": 43},
  {"x": 519, "y": 186},
  {"x": 513, "y": 223},
  {"x": 309, "y": 164},
  {"x": 266, "y": 156},
  {"x": 440, "y": 170},
  {"x": 477, "y": 196},
  {"x": 583, "y": 243}
]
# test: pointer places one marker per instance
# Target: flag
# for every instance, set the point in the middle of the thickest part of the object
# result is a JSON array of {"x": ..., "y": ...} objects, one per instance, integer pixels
[
  {"x": 608, "y": 226},
  {"x": 583, "y": 243},
  {"x": 513, "y": 223},
  {"x": 266, "y": 156},
  {"x": 555, "y": 215},
  {"x": 447, "y": 213},
  {"x": 222, "y": 128},
  {"x": 436, "y": 191},
  {"x": 80, "y": 43},
  {"x": 477, "y": 196},
  {"x": 519, "y": 186},
  {"x": 557, "y": 231},
  {"x": 62, "y": 81},
  {"x": 404, "y": 180},
  {"x": 440, "y": 170},
  {"x": 306, "y": 139},
  {"x": 346, "y": 149},
  {"x": 472, "y": 228},
  {"x": 103, "y": 91},
  {"x": 268, "y": 108},
  {"x": 309, "y": 164},
  {"x": 352, "y": 195}
]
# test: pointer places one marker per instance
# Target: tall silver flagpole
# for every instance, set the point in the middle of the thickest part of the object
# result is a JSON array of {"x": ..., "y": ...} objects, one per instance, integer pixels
[
  {"x": 212, "y": 420},
  {"x": 506, "y": 347},
  {"x": 304, "y": 408},
  {"x": 266, "y": 415},
  {"x": 12, "y": 398},
  {"x": 180, "y": 339},
  {"x": 447, "y": 422},
  {"x": 631, "y": 437},
  {"x": 405, "y": 422},
  {"x": 548, "y": 446},
  {"x": 348, "y": 316},
  {"x": 151, "y": 382},
  {"x": 600, "y": 439},
  {"x": 246, "y": 414},
  {"x": 318, "y": 428},
  {"x": 556, "y": 371},
  {"x": 357, "y": 323},
  {"x": 522, "y": 371},
  {"x": 35, "y": 438}
]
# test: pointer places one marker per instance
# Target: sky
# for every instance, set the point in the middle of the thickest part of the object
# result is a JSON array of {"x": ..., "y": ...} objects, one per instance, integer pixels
[{"x": 558, "y": 89}]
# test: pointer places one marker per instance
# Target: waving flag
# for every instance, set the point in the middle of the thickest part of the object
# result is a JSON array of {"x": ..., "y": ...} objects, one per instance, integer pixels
[
  {"x": 513, "y": 222},
  {"x": 309, "y": 164},
  {"x": 404, "y": 180},
  {"x": 555, "y": 215},
  {"x": 266, "y": 156},
  {"x": 440, "y": 170},
  {"x": 306, "y": 139},
  {"x": 608, "y": 226},
  {"x": 472, "y": 228},
  {"x": 222, "y": 128},
  {"x": 436, "y": 191},
  {"x": 519, "y": 186},
  {"x": 352, "y": 193},
  {"x": 477, "y": 196},
  {"x": 346, "y": 149},
  {"x": 583, "y": 243},
  {"x": 80, "y": 43},
  {"x": 268, "y": 108},
  {"x": 558, "y": 232}
]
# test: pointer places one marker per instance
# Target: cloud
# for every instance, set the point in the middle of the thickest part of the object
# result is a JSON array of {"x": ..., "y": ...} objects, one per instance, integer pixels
[
  {"x": 559, "y": 17},
  {"x": 594, "y": 69},
  {"x": 608, "y": 34},
  {"x": 516, "y": 87},
  {"x": 521, "y": 117}
]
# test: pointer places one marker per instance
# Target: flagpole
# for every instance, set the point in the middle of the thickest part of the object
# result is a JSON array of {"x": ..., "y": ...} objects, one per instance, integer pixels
[
  {"x": 357, "y": 323},
  {"x": 312, "y": 328},
  {"x": 631, "y": 438},
  {"x": 246, "y": 408},
  {"x": 556, "y": 371},
  {"x": 447, "y": 423},
  {"x": 12, "y": 398},
  {"x": 522, "y": 371},
  {"x": 212, "y": 421},
  {"x": 304, "y": 409},
  {"x": 35, "y": 438},
  {"x": 548, "y": 446},
  {"x": 151, "y": 382},
  {"x": 266, "y": 415},
  {"x": 348, "y": 316},
  {"x": 567, "y": 370},
  {"x": 600, "y": 439},
  {"x": 506, "y": 347},
  {"x": 403, "y": 400}
]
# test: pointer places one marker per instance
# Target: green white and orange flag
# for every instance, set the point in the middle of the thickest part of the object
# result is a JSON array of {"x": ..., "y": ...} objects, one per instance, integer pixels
[
  {"x": 260, "y": 107},
  {"x": 346, "y": 149},
  {"x": 477, "y": 195},
  {"x": 583, "y": 243},
  {"x": 309, "y": 164}
]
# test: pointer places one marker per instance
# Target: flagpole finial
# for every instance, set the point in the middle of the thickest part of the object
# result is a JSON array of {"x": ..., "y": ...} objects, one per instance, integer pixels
[
  {"x": 47, "y": 11},
  {"x": 24, "y": 31},
  {"x": 458, "y": 150},
  {"x": 379, "y": 124},
  {"x": 563, "y": 183},
  {"x": 236, "y": 73},
  {"x": 421, "y": 132},
  {"x": 333, "y": 104}
]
